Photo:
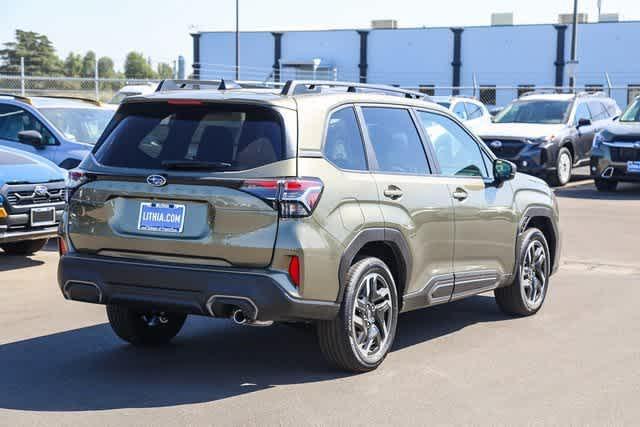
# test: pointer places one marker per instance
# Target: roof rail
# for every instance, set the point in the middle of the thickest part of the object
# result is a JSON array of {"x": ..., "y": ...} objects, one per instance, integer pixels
[
  {"x": 295, "y": 87},
  {"x": 222, "y": 84},
  {"x": 18, "y": 97},
  {"x": 594, "y": 93},
  {"x": 544, "y": 91}
]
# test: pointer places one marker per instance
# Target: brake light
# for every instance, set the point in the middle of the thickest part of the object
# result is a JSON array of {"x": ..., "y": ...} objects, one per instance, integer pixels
[
  {"x": 294, "y": 270},
  {"x": 184, "y": 102},
  {"x": 75, "y": 178},
  {"x": 62, "y": 246},
  {"x": 293, "y": 197}
]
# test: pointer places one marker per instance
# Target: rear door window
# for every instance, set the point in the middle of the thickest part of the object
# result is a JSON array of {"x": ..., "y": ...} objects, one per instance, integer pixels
[
  {"x": 395, "y": 141},
  {"x": 159, "y": 135}
]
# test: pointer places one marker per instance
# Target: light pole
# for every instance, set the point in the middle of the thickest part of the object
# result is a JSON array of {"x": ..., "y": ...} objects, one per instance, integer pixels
[
  {"x": 237, "y": 39},
  {"x": 574, "y": 31}
]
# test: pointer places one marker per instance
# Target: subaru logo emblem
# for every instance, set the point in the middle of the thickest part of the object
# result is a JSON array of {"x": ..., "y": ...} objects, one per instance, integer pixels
[
  {"x": 40, "y": 190},
  {"x": 156, "y": 180},
  {"x": 496, "y": 144}
]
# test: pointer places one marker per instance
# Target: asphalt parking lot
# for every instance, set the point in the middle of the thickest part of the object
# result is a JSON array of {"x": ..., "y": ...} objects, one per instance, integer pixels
[{"x": 576, "y": 362}]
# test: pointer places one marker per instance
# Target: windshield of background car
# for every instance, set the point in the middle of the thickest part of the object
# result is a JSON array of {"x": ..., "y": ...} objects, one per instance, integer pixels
[
  {"x": 632, "y": 114},
  {"x": 79, "y": 124},
  {"x": 538, "y": 112},
  {"x": 155, "y": 135}
]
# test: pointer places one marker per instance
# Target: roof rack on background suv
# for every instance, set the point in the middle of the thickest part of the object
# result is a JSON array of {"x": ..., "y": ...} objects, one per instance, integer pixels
[{"x": 297, "y": 87}]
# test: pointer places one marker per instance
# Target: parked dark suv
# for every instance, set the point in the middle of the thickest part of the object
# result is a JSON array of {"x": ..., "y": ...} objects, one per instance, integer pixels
[
  {"x": 325, "y": 202},
  {"x": 615, "y": 155},
  {"x": 548, "y": 134}
]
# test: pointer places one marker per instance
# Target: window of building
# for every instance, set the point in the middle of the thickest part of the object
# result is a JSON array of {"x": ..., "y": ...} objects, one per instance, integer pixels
[
  {"x": 522, "y": 89},
  {"x": 428, "y": 90},
  {"x": 343, "y": 146},
  {"x": 395, "y": 141},
  {"x": 592, "y": 88},
  {"x": 488, "y": 94},
  {"x": 458, "y": 154}
]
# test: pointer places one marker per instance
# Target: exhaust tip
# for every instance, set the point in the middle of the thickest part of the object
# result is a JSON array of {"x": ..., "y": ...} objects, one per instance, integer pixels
[{"x": 239, "y": 317}]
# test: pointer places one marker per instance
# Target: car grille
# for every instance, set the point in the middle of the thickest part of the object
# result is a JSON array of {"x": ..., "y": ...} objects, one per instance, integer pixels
[
  {"x": 509, "y": 148},
  {"x": 22, "y": 198},
  {"x": 621, "y": 154}
]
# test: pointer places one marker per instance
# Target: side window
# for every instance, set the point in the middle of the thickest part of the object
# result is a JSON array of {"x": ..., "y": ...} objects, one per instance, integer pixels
[
  {"x": 395, "y": 141},
  {"x": 474, "y": 111},
  {"x": 460, "y": 111},
  {"x": 598, "y": 112},
  {"x": 14, "y": 120},
  {"x": 343, "y": 145},
  {"x": 488, "y": 163},
  {"x": 582, "y": 112},
  {"x": 458, "y": 153}
]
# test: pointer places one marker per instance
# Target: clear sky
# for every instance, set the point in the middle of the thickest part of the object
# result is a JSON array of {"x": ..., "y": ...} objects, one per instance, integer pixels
[{"x": 160, "y": 28}]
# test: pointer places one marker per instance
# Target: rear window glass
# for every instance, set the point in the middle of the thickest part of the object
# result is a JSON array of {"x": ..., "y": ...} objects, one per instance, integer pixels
[{"x": 162, "y": 135}]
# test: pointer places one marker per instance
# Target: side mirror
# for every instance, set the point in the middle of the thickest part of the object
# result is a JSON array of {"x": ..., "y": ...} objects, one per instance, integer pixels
[
  {"x": 503, "y": 170},
  {"x": 583, "y": 122},
  {"x": 31, "y": 137}
]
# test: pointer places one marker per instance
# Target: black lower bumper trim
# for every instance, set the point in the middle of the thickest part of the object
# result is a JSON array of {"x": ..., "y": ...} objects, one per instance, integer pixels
[{"x": 186, "y": 289}]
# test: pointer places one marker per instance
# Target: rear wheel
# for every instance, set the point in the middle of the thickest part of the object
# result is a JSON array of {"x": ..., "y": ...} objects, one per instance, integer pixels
[
  {"x": 144, "y": 328},
  {"x": 606, "y": 185},
  {"x": 360, "y": 337},
  {"x": 529, "y": 290},
  {"x": 26, "y": 247}
]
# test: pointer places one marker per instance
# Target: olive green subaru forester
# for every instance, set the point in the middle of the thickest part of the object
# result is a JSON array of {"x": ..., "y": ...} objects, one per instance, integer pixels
[{"x": 336, "y": 204}]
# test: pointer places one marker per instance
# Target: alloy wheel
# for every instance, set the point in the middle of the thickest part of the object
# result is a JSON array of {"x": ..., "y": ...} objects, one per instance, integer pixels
[{"x": 533, "y": 274}]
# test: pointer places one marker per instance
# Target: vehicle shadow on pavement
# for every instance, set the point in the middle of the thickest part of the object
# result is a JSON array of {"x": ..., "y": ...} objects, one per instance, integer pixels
[
  {"x": 625, "y": 191},
  {"x": 15, "y": 262},
  {"x": 88, "y": 369}
]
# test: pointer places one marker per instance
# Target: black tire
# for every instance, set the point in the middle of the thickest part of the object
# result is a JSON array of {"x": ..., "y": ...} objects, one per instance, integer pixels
[
  {"x": 336, "y": 336},
  {"x": 26, "y": 247},
  {"x": 131, "y": 326},
  {"x": 512, "y": 299},
  {"x": 558, "y": 179},
  {"x": 606, "y": 185}
]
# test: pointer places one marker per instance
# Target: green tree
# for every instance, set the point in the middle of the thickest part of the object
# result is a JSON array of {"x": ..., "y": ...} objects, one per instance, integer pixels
[
  {"x": 105, "y": 68},
  {"x": 89, "y": 64},
  {"x": 38, "y": 52},
  {"x": 73, "y": 65},
  {"x": 165, "y": 71},
  {"x": 136, "y": 67}
]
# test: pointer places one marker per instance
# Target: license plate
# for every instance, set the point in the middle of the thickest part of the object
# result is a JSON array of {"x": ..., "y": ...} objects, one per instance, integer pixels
[
  {"x": 43, "y": 216},
  {"x": 633, "y": 167},
  {"x": 163, "y": 217}
]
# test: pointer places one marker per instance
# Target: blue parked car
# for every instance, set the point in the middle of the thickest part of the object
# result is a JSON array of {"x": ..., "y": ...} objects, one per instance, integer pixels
[
  {"x": 32, "y": 200},
  {"x": 63, "y": 130}
]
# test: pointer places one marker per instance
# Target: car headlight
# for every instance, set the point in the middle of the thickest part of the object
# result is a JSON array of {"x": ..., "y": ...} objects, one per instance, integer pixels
[
  {"x": 598, "y": 139},
  {"x": 541, "y": 140}
]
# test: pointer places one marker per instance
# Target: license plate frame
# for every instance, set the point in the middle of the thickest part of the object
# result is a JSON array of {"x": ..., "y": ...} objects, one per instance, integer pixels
[
  {"x": 38, "y": 222},
  {"x": 633, "y": 167},
  {"x": 154, "y": 223}
]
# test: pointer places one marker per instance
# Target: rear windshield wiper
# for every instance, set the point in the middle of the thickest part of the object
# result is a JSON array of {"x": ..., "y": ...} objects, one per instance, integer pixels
[{"x": 195, "y": 164}]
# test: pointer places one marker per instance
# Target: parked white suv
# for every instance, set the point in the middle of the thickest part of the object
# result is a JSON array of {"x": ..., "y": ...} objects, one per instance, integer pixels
[{"x": 472, "y": 112}]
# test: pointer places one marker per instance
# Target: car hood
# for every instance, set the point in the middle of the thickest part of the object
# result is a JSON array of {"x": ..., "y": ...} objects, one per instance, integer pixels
[
  {"x": 622, "y": 129},
  {"x": 20, "y": 167},
  {"x": 517, "y": 130}
]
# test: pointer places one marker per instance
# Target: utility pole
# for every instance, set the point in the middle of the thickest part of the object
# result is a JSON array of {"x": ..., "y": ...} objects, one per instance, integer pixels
[
  {"x": 574, "y": 33},
  {"x": 237, "y": 39}
]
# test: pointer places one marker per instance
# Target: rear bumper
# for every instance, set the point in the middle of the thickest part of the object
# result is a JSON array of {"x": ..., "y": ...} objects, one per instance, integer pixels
[
  {"x": 18, "y": 236},
  {"x": 198, "y": 290}
]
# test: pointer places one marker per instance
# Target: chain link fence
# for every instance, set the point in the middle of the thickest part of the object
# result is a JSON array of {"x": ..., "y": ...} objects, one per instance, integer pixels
[{"x": 104, "y": 89}]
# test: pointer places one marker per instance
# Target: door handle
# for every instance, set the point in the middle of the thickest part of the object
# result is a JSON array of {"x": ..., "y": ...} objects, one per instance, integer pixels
[
  {"x": 460, "y": 194},
  {"x": 393, "y": 192}
]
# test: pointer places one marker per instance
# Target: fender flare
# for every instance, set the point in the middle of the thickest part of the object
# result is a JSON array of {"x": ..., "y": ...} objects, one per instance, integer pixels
[
  {"x": 531, "y": 212},
  {"x": 391, "y": 237}
]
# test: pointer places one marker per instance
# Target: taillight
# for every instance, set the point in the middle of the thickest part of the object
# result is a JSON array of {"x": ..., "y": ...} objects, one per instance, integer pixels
[
  {"x": 75, "y": 178},
  {"x": 293, "y": 197},
  {"x": 62, "y": 246},
  {"x": 294, "y": 270}
]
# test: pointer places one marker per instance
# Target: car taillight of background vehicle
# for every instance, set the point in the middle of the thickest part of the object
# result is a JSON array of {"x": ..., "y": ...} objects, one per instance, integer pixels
[
  {"x": 75, "y": 178},
  {"x": 293, "y": 197}
]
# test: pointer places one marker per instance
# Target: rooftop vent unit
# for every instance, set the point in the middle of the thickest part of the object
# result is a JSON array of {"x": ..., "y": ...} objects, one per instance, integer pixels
[
  {"x": 384, "y": 24},
  {"x": 567, "y": 18},
  {"x": 609, "y": 17},
  {"x": 498, "y": 19}
]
